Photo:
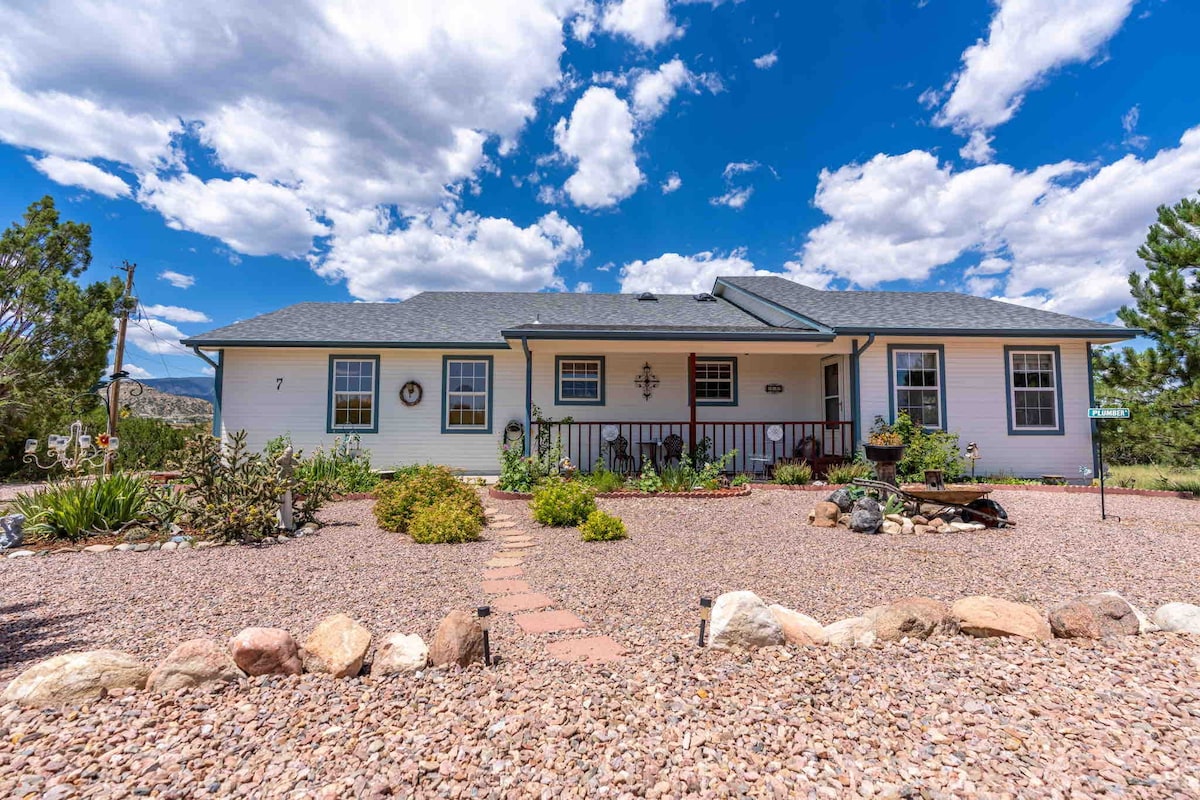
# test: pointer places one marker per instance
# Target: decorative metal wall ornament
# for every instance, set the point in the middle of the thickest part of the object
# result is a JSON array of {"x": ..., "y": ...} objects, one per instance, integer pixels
[
  {"x": 647, "y": 380},
  {"x": 411, "y": 393}
]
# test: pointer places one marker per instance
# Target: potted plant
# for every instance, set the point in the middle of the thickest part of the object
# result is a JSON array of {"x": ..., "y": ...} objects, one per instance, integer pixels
[{"x": 884, "y": 444}]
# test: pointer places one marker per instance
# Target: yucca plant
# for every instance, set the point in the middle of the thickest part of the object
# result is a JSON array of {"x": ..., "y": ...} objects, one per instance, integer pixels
[{"x": 73, "y": 510}]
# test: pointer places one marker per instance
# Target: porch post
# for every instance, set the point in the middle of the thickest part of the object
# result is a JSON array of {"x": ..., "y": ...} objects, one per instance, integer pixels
[
  {"x": 528, "y": 397},
  {"x": 692, "y": 401}
]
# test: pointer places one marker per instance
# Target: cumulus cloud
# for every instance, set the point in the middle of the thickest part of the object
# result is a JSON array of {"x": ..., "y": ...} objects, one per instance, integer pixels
[
  {"x": 156, "y": 337},
  {"x": 767, "y": 60},
  {"x": 737, "y": 194},
  {"x": 133, "y": 369},
  {"x": 672, "y": 273},
  {"x": 177, "y": 279},
  {"x": 451, "y": 251},
  {"x": 72, "y": 172},
  {"x": 653, "y": 91},
  {"x": 599, "y": 140},
  {"x": 672, "y": 183},
  {"x": 645, "y": 22},
  {"x": 1069, "y": 232},
  {"x": 175, "y": 313}
]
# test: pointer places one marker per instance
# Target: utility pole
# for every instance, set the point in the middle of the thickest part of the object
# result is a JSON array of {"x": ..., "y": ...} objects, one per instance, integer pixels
[{"x": 114, "y": 386}]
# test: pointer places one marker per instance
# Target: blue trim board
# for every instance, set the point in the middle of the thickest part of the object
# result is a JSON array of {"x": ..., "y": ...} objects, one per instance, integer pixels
[
  {"x": 1044, "y": 348},
  {"x": 855, "y": 390},
  {"x": 329, "y": 426},
  {"x": 942, "y": 387},
  {"x": 528, "y": 434},
  {"x": 558, "y": 399},
  {"x": 218, "y": 391},
  {"x": 734, "y": 382},
  {"x": 491, "y": 392}
]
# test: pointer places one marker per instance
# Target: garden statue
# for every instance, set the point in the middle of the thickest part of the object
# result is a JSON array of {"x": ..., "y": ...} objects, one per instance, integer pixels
[
  {"x": 11, "y": 531},
  {"x": 287, "y": 468}
]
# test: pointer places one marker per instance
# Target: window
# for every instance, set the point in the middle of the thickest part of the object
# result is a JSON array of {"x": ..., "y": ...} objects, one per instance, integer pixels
[
  {"x": 833, "y": 393},
  {"x": 580, "y": 380},
  {"x": 917, "y": 375},
  {"x": 353, "y": 393},
  {"x": 716, "y": 381},
  {"x": 1034, "y": 390},
  {"x": 467, "y": 397}
]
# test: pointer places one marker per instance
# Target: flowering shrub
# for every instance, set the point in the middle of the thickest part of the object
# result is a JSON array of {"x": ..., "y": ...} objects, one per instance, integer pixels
[
  {"x": 793, "y": 474},
  {"x": 562, "y": 503},
  {"x": 449, "y": 520},
  {"x": 398, "y": 500},
  {"x": 602, "y": 527}
]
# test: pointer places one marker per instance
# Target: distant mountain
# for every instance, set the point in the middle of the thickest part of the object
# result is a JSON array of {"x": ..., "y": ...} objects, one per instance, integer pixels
[
  {"x": 201, "y": 387},
  {"x": 170, "y": 407}
]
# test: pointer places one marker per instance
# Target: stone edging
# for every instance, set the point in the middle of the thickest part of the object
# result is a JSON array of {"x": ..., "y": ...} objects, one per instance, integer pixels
[
  {"x": 701, "y": 494},
  {"x": 149, "y": 547}
]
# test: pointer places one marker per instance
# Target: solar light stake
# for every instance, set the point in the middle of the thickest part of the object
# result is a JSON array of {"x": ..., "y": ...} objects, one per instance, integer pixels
[
  {"x": 485, "y": 622},
  {"x": 705, "y": 615}
]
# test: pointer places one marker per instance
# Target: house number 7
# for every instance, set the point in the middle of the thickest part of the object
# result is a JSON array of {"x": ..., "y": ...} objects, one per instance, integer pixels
[{"x": 278, "y": 384}]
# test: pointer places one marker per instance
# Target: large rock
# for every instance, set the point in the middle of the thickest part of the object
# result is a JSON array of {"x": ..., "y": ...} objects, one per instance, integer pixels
[
  {"x": 990, "y": 616},
  {"x": 913, "y": 618},
  {"x": 824, "y": 515},
  {"x": 853, "y": 631},
  {"x": 1178, "y": 618},
  {"x": 76, "y": 678},
  {"x": 12, "y": 531},
  {"x": 266, "y": 651},
  {"x": 194, "y": 663},
  {"x": 1145, "y": 625},
  {"x": 337, "y": 646},
  {"x": 866, "y": 516},
  {"x": 459, "y": 640},
  {"x": 842, "y": 499},
  {"x": 798, "y": 629},
  {"x": 400, "y": 653},
  {"x": 1093, "y": 617},
  {"x": 742, "y": 619}
]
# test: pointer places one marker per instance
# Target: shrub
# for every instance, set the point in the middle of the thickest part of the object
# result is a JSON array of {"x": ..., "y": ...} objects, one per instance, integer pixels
[
  {"x": 414, "y": 488},
  {"x": 233, "y": 494},
  {"x": 677, "y": 479},
  {"x": 602, "y": 527},
  {"x": 71, "y": 510},
  {"x": 562, "y": 503},
  {"x": 648, "y": 481},
  {"x": 448, "y": 520},
  {"x": 927, "y": 450},
  {"x": 517, "y": 473},
  {"x": 344, "y": 467},
  {"x": 848, "y": 472},
  {"x": 741, "y": 479},
  {"x": 793, "y": 474},
  {"x": 605, "y": 480}
]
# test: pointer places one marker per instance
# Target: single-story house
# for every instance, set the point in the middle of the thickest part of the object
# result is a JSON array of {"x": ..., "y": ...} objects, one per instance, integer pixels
[{"x": 763, "y": 365}]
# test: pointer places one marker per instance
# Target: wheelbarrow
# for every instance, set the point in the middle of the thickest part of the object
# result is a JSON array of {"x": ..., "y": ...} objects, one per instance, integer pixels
[{"x": 970, "y": 502}]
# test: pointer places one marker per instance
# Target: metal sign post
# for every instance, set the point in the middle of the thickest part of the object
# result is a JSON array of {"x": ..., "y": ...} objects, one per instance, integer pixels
[{"x": 1099, "y": 414}]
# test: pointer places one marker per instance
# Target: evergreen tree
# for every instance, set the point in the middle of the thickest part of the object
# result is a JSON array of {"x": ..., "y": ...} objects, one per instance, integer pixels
[{"x": 1162, "y": 383}]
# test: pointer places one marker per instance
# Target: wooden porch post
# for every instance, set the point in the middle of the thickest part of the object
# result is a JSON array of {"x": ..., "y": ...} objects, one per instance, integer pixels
[{"x": 692, "y": 401}]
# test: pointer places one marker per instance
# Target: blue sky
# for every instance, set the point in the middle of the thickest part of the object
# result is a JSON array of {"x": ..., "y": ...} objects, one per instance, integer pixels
[{"x": 328, "y": 151}]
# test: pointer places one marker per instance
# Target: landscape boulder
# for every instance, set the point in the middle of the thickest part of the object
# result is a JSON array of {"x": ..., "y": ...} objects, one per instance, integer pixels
[
  {"x": 842, "y": 499},
  {"x": 400, "y": 652},
  {"x": 266, "y": 651},
  {"x": 854, "y": 631},
  {"x": 458, "y": 640},
  {"x": 866, "y": 516},
  {"x": 1145, "y": 625},
  {"x": 194, "y": 663},
  {"x": 1178, "y": 618},
  {"x": 986, "y": 616},
  {"x": 914, "y": 618},
  {"x": 1093, "y": 617},
  {"x": 825, "y": 515},
  {"x": 12, "y": 527},
  {"x": 76, "y": 678},
  {"x": 337, "y": 647},
  {"x": 742, "y": 619},
  {"x": 890, "y": 528},
  {"x": 798, "y": 629}
]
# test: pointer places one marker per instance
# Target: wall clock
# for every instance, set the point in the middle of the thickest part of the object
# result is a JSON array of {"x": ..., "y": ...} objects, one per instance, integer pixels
[{"x": 410, "y": 393}]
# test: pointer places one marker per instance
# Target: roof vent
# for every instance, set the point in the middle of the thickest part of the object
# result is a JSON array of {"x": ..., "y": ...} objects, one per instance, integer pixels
[
  {"x": 704, "y": 297},
  {"x": 647, "y": 297}
]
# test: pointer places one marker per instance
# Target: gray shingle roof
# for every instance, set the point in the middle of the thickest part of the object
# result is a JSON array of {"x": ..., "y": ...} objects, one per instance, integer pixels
[{"x": 880, "y": 312}]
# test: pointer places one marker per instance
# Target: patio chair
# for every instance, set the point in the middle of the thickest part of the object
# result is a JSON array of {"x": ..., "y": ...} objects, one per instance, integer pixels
[
  {"x": 622, "y": 462},
  {"x": 760, "y": 465},
  {"x": 672, "y": 449},
  {"x": 808, "y": 449}
]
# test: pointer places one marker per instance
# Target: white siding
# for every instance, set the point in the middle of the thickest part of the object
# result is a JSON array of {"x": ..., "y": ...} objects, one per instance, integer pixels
[{"x": 977, "y": 408}]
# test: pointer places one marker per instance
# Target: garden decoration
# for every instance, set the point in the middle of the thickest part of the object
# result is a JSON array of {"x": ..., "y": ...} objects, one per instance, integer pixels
[
  {"x": 647, "y": 381},
  {"x": 75, "y": 452},
  {"x": 971, "y": 502},
  {"x": 705, "y": 615},
  {"x": 972, "y": 455},
  {"x": 885, "y": 449},
  {"x": 287, "y": 469},
  {"x": 411, "y": 393},
  {"x": 485, "y": 623}
]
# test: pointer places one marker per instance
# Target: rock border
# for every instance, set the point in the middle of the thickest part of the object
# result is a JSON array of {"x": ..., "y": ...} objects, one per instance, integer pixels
[
  {"x": 309, "y": 529},
  {"x": 698, "y": 494},
  {"x": 1007, "y": 487}
]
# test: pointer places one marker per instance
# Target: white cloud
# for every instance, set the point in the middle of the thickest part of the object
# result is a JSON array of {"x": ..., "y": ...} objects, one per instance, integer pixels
[
  {"x": 1129, "y": 123},
  {"x": 156, "y": 337},
  {"x": 978, "y": 148},
  {"x": 451, "y": 251},
  {"x": 1027, "y": 40},
  {"x": 1069, "y": 231},
  {"x": 133, "y": 369},
  {"x": 646, "y": 22},
  {"x": 672, "y": 273},
  {"x": 767, "y": 60},
  {"x": 599, "y": 140},
  {"x": 175, "y": 313},
  {"x": 71, "y": 172},
  {"x": 583, "y": 287},
  {"x": 734, "y": 198},
  {"x": 653, "y": 91},
  {"x": 177, "y": 279},
  {"x": 672, "y": 183}
]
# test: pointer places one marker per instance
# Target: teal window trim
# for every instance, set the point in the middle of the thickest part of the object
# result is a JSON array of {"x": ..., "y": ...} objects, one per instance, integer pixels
[
  {"x": 1059, "y": 429},
  {"x": 733, "y": 401},
  {"x": 491, "y": 392},
  {"x": 559, "y": 400},
  {"x": 918, "y": 348},
  {"x": 374, "y": 427}
]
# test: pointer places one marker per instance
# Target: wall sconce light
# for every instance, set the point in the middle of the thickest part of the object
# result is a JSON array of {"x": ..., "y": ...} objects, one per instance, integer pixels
[
  {"x": 705, "y": 615},
  {"x": 485, "y": 622}
]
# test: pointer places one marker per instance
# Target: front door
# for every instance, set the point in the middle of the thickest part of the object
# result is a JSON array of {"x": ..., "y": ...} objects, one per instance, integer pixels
[{"x": 833, "y": 391}]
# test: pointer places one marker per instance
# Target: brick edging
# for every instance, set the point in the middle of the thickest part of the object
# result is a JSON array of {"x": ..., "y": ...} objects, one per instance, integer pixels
[
  {"x": 1013, "y": 487},
  {"x": 702, "y": 494}
]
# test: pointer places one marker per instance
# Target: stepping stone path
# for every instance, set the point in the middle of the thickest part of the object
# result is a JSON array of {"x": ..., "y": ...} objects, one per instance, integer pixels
[{"x": 532, "y": 611}]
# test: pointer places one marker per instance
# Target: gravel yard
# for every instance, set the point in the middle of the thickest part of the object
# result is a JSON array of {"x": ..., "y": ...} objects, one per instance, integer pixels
[{"x": 958, "y": 717}]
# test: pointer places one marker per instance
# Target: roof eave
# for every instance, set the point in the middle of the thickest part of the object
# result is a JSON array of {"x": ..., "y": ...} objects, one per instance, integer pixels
[
  {"x": 1116, "y": 334},
  {"x": 664, "y": 336},
  {"x": 199, "y": 342}
]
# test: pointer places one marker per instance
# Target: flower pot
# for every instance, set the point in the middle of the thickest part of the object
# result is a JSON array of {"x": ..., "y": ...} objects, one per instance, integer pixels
[{"x": 884, "y": 454}]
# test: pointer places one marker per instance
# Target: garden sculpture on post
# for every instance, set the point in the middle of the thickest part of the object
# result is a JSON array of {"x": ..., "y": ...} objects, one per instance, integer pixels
[{"x": 287, "y": 468}]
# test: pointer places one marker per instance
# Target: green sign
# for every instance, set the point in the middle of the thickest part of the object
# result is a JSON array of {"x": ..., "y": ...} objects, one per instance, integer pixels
[{"x": 1108, "y": 413}]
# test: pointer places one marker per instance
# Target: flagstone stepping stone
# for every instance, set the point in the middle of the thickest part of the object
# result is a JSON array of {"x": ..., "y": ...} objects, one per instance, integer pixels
[
  {"x": 504, "y": 562},
  {"x": 501, "y": 517},
  {"x": 592, "y": 649},
  {"x": 520, "y": 545},
  {"x": 510, "y": 554},
  {"x": 503, "y": 572},
  {"x": 499, "y": 526},
  {"x": 521, "y": 602},
  {"x": 548, "y": 621},
  {"x": 490, "y": 511},
  {"x": 505, "y": 587}
]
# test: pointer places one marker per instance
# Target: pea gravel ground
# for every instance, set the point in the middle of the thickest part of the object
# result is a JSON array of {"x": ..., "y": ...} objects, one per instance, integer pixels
[{"x": 954, "y": 718}]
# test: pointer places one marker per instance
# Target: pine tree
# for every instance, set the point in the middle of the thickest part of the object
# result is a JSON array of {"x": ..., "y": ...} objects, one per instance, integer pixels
[{"x": 1162, "y": 383}]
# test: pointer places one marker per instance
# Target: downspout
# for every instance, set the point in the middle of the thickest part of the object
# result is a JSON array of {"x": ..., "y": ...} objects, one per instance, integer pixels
[
  {"x": 1092, "y": 424},
  {"x": 692, "y": 401},
  {"x": 855, "y": 392},
  {"x": 528, "y": 396},
  {"x": 218, "y": 381}
]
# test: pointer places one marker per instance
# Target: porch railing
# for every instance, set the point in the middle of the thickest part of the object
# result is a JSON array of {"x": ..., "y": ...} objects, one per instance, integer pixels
[{"x": 818, "y": 442}]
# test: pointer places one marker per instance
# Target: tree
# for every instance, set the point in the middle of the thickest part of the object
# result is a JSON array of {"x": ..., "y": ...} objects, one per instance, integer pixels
[
  {"x": 55, "y": 334},
  {"x": 1162, "y": 383}
]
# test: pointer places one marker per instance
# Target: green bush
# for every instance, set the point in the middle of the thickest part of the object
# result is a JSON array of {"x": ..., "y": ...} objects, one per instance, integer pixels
[
  {"x": 794, "y": 474},
  {"x": 72, "y": 510},
  {"x": 413, "y": 488},
  {"x": 741, "y": 479},
  {"x": 344, "y": 467},
  {"x": 648, "y": 481},
  {"x": 602, "y": 527},
  {"x": 848, "y": 472},
  {"x": 677, "y": 478},
  {"x": 927, "y": 450},
  {"x": 605, "y": 480},
  {"x": 448, "y": 520},
  {"x": 562, "y": 503}
]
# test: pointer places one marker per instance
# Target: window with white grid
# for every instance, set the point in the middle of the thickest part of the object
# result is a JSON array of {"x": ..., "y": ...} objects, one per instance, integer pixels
[
  {"x": 468, "y": 382},
  {"x": 1033, "y": 384},
  {"x": 352, "y": 394}
]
